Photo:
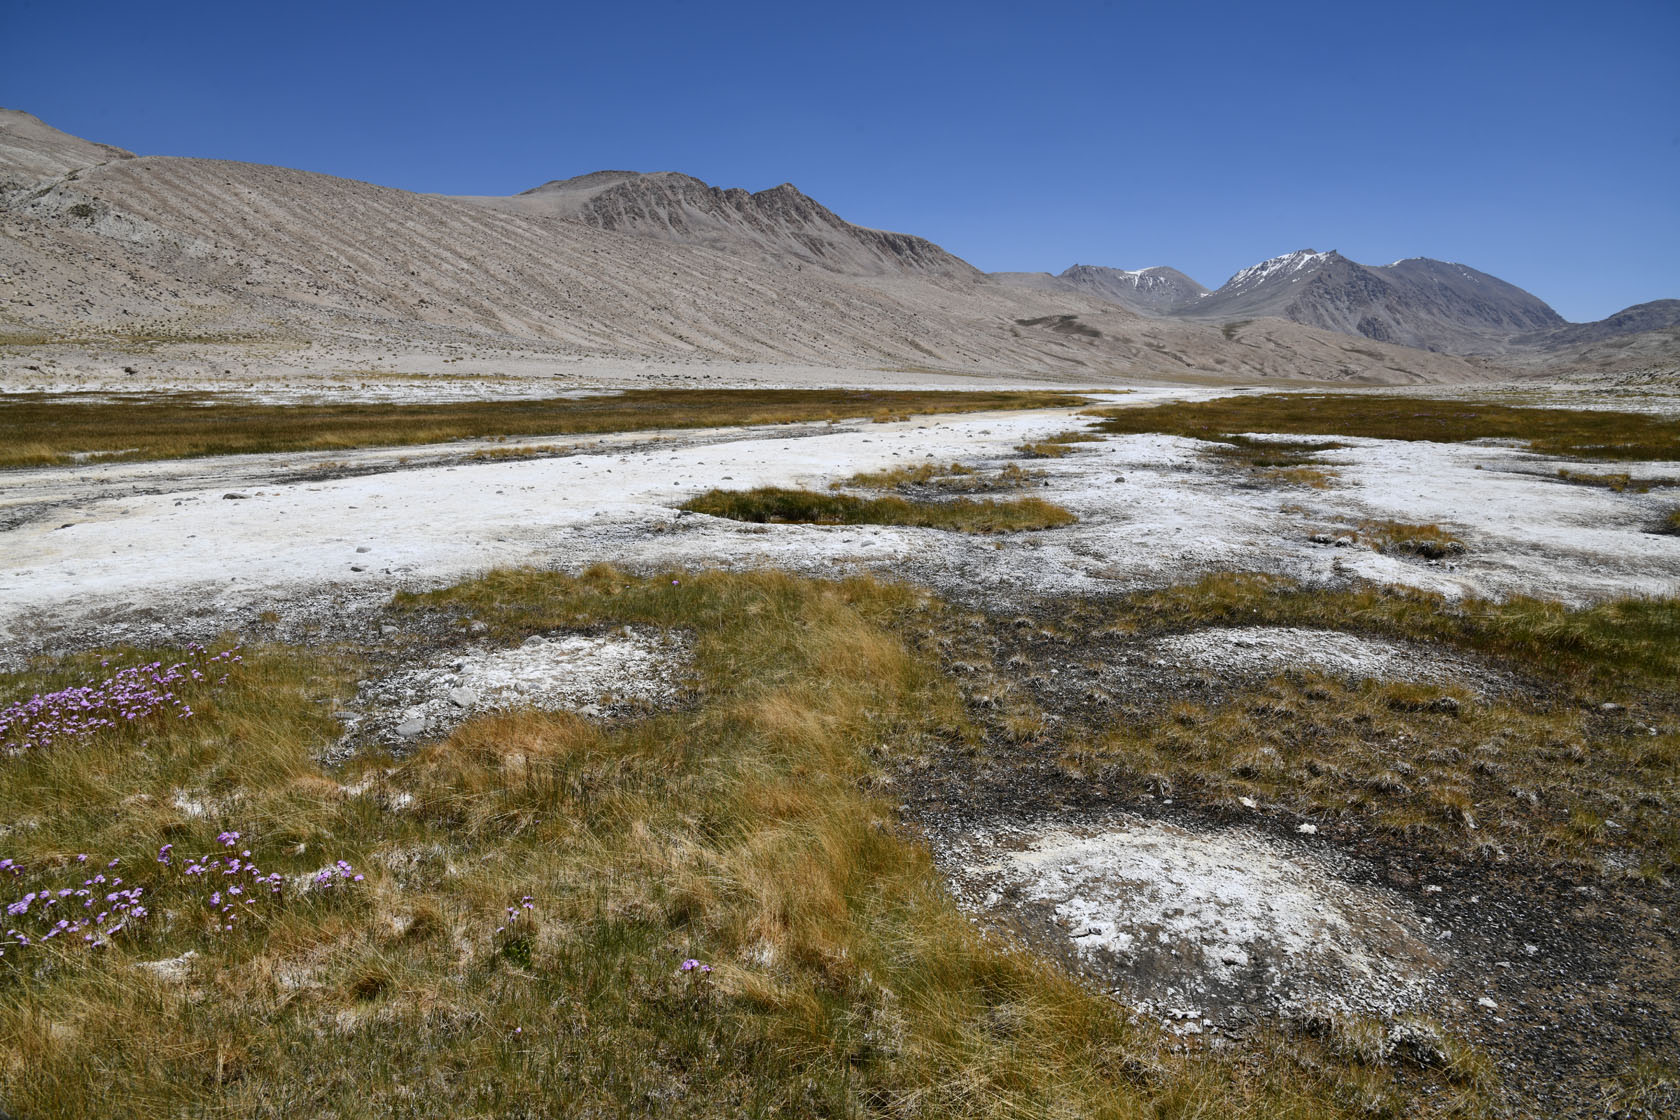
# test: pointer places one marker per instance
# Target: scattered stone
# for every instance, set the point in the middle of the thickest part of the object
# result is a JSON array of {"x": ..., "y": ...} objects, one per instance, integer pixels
[
  {"x": 1487, "y": 1003},
  {"x": 463, "y": 697},
  {"x": 412, "y": 728},
  {"x": 363, "y": 548},
  {"x": 1307, "y": 829},
  {"x": 234, "y": 495}
]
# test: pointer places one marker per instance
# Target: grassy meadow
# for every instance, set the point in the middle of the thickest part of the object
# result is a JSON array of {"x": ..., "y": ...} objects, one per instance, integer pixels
[
  {"x": 532, "y": 886},
  {"x": 42, "y": 432}
]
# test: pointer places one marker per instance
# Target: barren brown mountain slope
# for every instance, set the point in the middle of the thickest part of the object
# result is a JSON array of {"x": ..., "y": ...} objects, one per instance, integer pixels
[
  {"x": 150, "y": 248},
  {"x": 781, "y": 222}
]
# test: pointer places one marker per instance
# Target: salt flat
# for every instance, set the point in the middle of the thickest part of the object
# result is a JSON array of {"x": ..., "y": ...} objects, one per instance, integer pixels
[{"x": 163, "y": 545}]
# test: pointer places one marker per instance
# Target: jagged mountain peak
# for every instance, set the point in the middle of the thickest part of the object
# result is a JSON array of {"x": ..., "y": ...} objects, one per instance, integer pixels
[
  {"x": 1286, "y": 265},
  {"x": 780, "y": 223}
]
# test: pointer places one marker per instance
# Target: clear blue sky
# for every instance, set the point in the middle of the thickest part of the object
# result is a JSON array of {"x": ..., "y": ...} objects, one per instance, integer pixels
[{"x": 1538, "y": 141}]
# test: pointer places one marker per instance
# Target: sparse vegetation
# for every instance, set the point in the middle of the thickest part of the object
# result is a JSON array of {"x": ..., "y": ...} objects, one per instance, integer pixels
[
  {"x": 1057, "y": 446},
  {"x": 1279, "y": 462},
  {"x": 1616, "y": 481},
  {"x": 1429, "y": 541},
  {"x": 182, "y": 425},
  {"x": 1554, "y": 431},
  {"x": 954, "y": 478},
  {"x": 806, "y": 507},
  {"x": 703, "y": 912}
]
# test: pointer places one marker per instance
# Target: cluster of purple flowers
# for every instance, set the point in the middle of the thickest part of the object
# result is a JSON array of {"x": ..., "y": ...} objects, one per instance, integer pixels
[
  {"x": 694, "y": 966},
  {"x": 119, "y": 700},
  {"x": 226, "y": 882},
  {"x": 514, "y": 913},
  {"x": 92, "y": 913}
]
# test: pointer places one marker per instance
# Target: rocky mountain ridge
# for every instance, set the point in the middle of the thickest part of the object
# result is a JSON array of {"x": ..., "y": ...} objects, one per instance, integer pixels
[{"x": 782, "y": 220}]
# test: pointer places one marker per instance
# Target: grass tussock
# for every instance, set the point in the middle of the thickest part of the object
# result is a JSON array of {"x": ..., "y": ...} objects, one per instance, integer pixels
[
  {"x": 1057, "y": 446},
  {"x": 183, "y": 425},
  {"x": 770, "y": 504},
  {"x": 1553, "y": 431},
  {"x": 741, "y": 834},
  {"x": 1429, "y": 541},
  {"x": 954, "y": 478}
]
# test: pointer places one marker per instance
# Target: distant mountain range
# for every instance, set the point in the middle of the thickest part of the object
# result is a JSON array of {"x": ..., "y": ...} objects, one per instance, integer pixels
[
  {"x": 98, "y": 243},
  {"x": 1427, "y": 304}
]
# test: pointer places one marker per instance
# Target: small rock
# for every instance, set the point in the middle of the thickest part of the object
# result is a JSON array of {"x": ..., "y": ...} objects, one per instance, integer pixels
[
  {"x": 387, "y": 629},
  {"x": 479, "y": 627},
  {"x": 1246, "y": 802},
  {"x": 234, "y": 495},
  {"x": 1610, "y": 707},
  {"x": 1307, "y": 829},
  {"x": 463, "y": 697},
  {"x": 357, "y": 568},
  {"x": 533, "y": 640},
  {"x": 1343, "y": 541},
  {"x": 412, "y": 728},
  {"x": 363, "y": 548},
  {"x": 1322, "y": 538},
  {"x": 1488, "y": 1003}
]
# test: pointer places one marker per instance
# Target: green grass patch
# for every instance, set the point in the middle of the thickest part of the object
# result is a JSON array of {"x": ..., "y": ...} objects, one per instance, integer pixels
[
  {"x": 1554, "y": 431},
  {"x": 771, "y": 504},
  {"x": 182, "y": 425}
]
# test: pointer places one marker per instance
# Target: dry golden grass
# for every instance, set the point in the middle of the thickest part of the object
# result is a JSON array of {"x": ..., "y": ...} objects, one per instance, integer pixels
[
  {"x": 182, "y": 425},
  {"x": 1616, "y": 481},
  {"x": 738, "y": 831},
  {"x": 770, "y": 504}
]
